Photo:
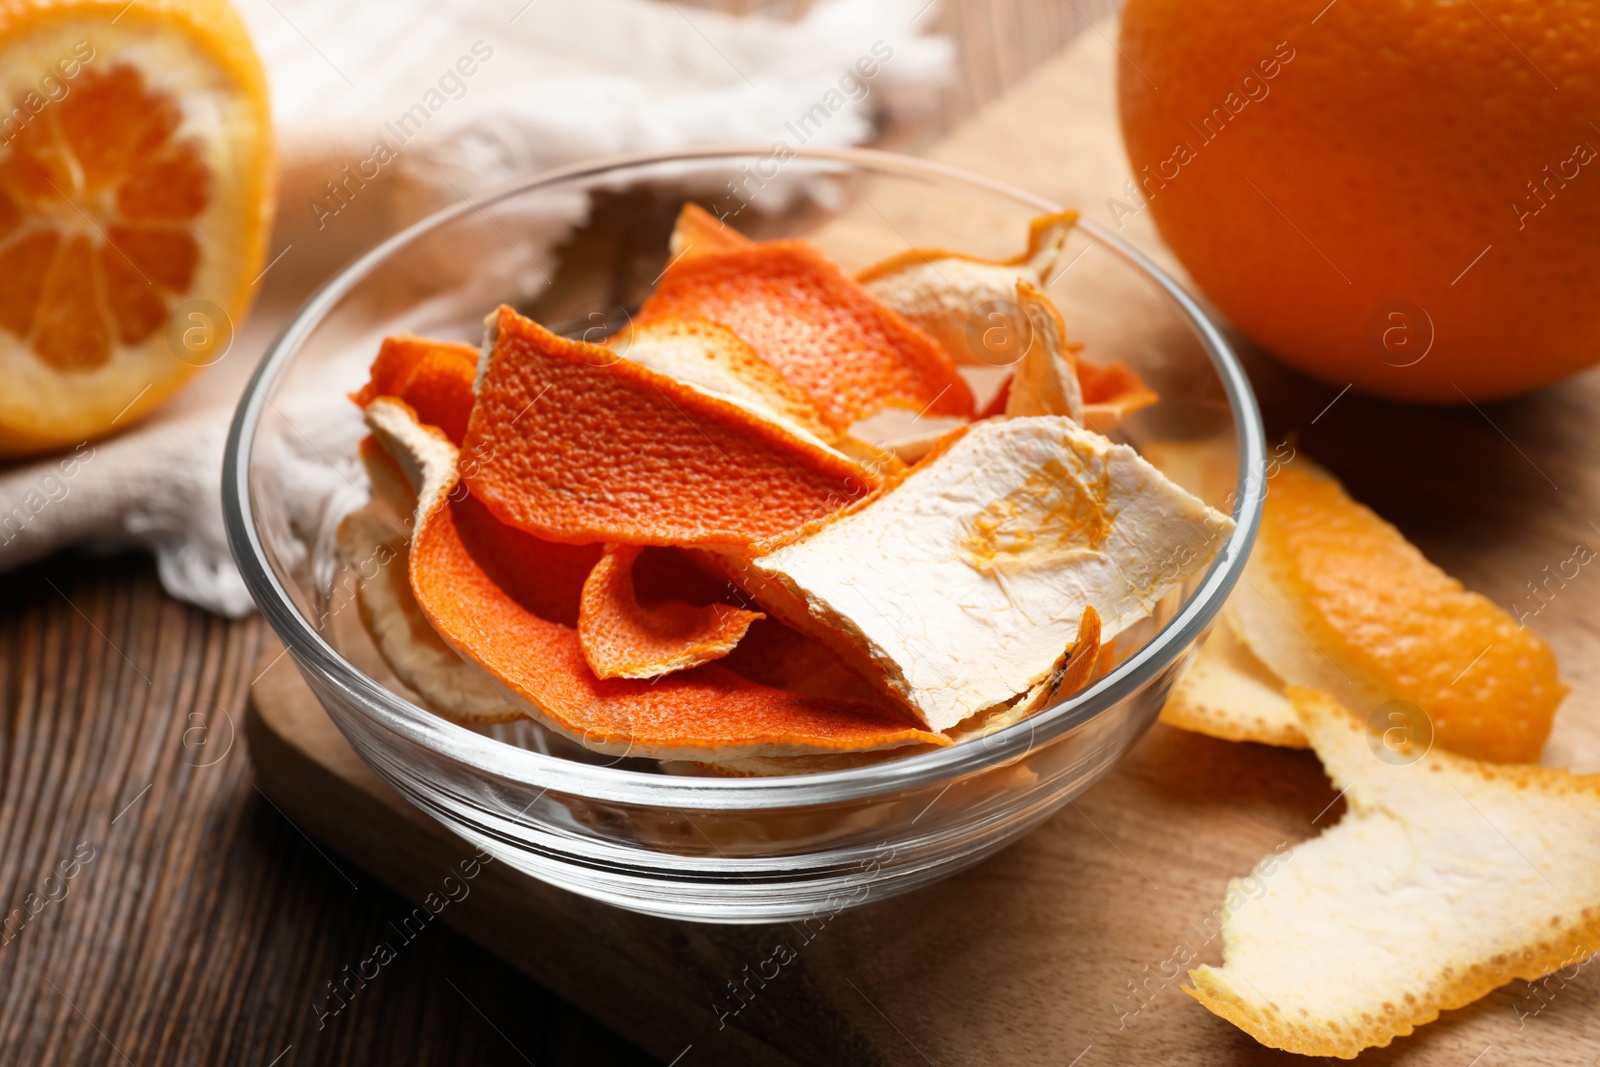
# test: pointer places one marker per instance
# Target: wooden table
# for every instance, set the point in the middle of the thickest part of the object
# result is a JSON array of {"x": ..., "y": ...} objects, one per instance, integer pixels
[{"x": 205, "y": 923}]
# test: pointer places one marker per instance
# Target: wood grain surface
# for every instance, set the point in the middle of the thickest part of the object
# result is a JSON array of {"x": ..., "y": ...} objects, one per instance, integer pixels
[
  {"x": 177, "y": 916},
  {"x": 1069, "y": 947}
]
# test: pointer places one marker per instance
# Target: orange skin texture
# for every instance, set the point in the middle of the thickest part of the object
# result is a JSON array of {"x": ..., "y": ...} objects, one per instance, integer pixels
[
  {"x": 817, "y": 327},
  {"x": 511, "y": 603},
  {"x": 434, "y": 377},
  {"x": 697, "y": 232},
  {"x": 1392, "y": 148},
  {"x": 572, "y": 444},
  {"x": 496, "y": 604},
  {"x": 623, "y": 638},
  {"x": 1380, "y": 609}
]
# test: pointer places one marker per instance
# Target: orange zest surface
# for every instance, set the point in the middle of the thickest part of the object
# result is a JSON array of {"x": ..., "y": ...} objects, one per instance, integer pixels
[
  {"x": 473, "y": 576},
  {"x": 571, "y": 443},
  {"x": 1244, "y": 124},
  {"x": 697, "y": 232},
  {"x": 1374, "y": 605},
  {"x": 818, "y": 327},
  {"x": 623, "y": 638},
  {"x": 433, "y": 377}
]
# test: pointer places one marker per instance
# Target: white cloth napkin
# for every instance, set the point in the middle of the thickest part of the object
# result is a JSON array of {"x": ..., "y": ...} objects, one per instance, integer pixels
[{"x": 460, "y": 97}]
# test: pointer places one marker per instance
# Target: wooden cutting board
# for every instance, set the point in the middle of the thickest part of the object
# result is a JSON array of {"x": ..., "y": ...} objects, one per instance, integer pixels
[{"x": 1058, "y": 950}]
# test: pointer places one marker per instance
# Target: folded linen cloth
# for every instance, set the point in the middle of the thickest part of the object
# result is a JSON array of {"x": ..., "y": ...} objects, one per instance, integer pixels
[{"x": 389, "y": 110}]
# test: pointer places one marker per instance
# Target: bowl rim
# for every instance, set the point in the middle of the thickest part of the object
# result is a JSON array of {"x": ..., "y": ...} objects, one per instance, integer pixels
[{"x": 508, "y": 763}]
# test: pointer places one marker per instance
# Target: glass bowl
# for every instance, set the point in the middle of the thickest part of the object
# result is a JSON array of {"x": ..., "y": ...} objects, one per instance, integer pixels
[{"x": 577, "y": 248}]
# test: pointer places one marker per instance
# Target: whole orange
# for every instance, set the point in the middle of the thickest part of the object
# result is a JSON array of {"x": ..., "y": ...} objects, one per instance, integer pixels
[{"x": 1400, "y": 195}]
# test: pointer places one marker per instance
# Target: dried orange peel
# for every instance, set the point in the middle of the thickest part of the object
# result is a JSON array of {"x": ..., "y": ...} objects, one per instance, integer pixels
[
  {"x": 816, "y": 327},
  {"x": 711, "y": 358},
  {"x": 1337, "y": 599},
  {"x": 1111, "y": 392},
  {"x": 697, "y": 232},
  {"x": 572, "y": 501},
  {"x": 941, "y": 292},
  {"x": 465, "y": 566},
  {"x": 954, "y": 298},
  {"x": 134, "y": 207},
  {"x": 1446, "y": 878},
  {"x": 1046, "y": 379},
  {"x": 433, "y": 377},
  {"x": 374, "y": 548},
  {"x": 999, "y": 539},
  {"x": 623, "y": 638},
  {"x": 573, "y": 443}
]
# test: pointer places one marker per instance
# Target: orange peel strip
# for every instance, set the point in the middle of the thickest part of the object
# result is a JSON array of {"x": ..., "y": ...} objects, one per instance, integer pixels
[
  {"x": 1337, "y": 599},
  {"x": 572, "y": 443},
  {"x": 1111, "y": 392},
  {"x": 433, "y": 377},
  {"x": 820, "y": 329},
  {"x": 623, "y": 638},
  {"x": 470, "y": 574},
  {"x": 942, "y": 292},
  {"x": 698, "y": 232},
  {"x": 1046, "y": 380}
]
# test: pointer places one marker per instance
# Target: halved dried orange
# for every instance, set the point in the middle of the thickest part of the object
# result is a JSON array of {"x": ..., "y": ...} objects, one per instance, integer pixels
[
  {"x": 817, "y": 327},
  {"x": 136, "y": 191},
  {"x": 572, "y": 443},
  {"x": 623, "y": 638},
  {"x": 486, "y": 588}
]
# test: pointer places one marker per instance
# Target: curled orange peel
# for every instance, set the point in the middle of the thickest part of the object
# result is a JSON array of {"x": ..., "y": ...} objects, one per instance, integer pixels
[
  {"x": 433, "y": 377},
  {"x": 1111, "y": 392},
  {"x": 571, "y": 442},
  {"x": 817, "y": 327},
  {"x": 502, "y": 599},
  {"x": 697, "y": 232},
  {"x": 623, "y": 638}
]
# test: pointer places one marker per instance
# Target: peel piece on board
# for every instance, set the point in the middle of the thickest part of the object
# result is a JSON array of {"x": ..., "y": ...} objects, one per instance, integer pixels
[{"x": 1446, "y": 878}]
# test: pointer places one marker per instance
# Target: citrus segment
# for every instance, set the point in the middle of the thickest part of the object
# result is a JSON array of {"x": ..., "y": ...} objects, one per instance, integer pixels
[
  {"x": 817, "y": 327},
  {"x": 1372, "y": 621},
  {"x": 572, "y": 443},
  {"x": 623, "y": 638},
  {"x": 484, "y": 587},
  {"x": 140, "y": 187}
]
